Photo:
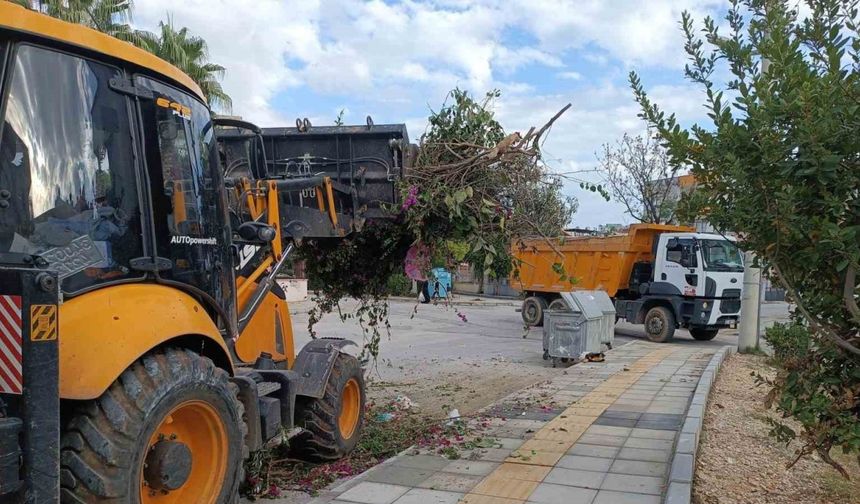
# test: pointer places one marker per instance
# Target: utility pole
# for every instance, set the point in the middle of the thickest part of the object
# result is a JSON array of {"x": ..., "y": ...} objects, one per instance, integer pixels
[
  {"x": 751, "y": 298},
  {"x": 750, "y": 301}
]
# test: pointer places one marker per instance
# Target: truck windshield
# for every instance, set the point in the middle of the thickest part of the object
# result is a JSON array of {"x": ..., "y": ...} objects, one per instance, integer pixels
[
  {"x": 721, "y": 255},
  {"x": 68, "y": 179}
]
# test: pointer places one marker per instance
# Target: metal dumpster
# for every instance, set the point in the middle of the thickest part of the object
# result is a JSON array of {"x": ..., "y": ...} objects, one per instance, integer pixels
[{"x": 587, "y": 325}]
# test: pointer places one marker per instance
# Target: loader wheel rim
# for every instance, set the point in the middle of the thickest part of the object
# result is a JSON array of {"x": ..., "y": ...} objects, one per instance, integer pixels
[
  {"x": 195, "y": 429},
  {"x": 350, "y": 409}
]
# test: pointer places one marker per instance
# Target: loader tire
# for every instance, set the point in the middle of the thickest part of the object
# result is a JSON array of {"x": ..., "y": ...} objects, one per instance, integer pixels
[
  {"x": 332, "y": 423},
  {"x": 169, "y": 429},
  {"x": 703, "y": 334},
  {"x": 659, "y": 324}
]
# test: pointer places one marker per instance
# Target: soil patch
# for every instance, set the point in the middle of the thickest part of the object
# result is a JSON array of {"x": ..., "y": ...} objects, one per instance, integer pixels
[{"x": 739, "y": 463}]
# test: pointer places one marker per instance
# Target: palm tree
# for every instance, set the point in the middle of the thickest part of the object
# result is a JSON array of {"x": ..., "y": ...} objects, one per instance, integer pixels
[
  {"x": 107, "y": 16},
  {"x": 186, "y": 52},
  {"x": 190, "y": 54}
]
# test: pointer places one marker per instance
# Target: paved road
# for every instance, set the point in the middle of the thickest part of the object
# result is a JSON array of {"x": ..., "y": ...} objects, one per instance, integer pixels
[{"x": 493, "y": 329}]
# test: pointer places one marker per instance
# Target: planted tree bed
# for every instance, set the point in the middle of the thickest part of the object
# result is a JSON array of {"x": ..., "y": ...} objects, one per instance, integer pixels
[{"x": 738, "y": 462}]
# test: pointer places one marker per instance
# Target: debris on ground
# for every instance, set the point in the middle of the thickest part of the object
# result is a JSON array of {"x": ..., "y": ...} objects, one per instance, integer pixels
[
  {"x": 388, "y": 430},
  {"x": 739, "y": 463}
]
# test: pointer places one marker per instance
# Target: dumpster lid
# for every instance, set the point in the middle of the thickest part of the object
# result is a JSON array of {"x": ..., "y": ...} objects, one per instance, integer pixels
[{"x": 592, "y": 304}]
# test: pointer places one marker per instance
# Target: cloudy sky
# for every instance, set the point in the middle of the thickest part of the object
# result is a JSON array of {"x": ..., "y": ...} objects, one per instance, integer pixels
[{"x": 396, "y": 60}]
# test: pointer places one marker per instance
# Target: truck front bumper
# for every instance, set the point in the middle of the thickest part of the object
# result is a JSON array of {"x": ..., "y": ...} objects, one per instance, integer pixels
[{"x": 715, "y": 313}]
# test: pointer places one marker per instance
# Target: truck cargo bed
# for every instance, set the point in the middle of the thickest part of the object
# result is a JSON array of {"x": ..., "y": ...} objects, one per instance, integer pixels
[{"x": 603, "y": 263}]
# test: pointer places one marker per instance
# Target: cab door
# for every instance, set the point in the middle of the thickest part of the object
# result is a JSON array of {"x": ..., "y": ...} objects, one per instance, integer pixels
[
  {"x": 188, "y": 201},
  {"x": 679, "y": 267}
]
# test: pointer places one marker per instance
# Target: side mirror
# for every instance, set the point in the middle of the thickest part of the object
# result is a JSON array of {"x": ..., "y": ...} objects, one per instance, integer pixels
[{"x": 256, "y": 232}]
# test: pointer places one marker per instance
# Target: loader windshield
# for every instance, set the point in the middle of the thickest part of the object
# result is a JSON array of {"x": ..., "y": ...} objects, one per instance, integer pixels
[{"x": 68, "y": 185}]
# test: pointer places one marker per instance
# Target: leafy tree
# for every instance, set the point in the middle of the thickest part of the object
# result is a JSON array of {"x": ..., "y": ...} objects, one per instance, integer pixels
[
  {"x": 190, "y": 54},
  {"x": 178, "y": 47},
  {"x": 780, "y": 164},
  {"x": 107, "y": 16},
  {"x": 638, "y": 174}
]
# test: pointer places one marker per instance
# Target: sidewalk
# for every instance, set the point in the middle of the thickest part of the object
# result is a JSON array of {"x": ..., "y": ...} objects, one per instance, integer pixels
[{"x": 602, "y": 433}]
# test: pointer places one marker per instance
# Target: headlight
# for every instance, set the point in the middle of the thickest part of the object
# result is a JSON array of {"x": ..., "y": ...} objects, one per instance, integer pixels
[{"x": 705, "y": 305}]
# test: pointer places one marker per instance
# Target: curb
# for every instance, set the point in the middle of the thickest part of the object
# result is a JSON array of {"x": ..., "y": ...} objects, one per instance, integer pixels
[{"x": 683, "y": 463}]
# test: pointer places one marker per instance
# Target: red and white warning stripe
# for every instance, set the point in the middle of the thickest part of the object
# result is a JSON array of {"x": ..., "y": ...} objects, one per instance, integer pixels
[{"x": 10, "y": 344}]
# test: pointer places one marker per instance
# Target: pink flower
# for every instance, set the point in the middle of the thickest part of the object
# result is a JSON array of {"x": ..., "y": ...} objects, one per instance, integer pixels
[{"x": 411, "y": 198}]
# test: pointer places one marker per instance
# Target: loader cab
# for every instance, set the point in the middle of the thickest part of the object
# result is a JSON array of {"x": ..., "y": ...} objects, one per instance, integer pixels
[{"x": 109, "y": 175}]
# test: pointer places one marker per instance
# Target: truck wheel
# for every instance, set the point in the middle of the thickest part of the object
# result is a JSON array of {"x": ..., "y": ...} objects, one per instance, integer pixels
[
  {"x": 533, "y": 308},
  {"x": 558, "y": 305},
  {"x": 170, "y": 429},
  {"x": 332, "y": 423},
  {"x": 659, "y": 324},
  {"x": 703, "y": 334}
]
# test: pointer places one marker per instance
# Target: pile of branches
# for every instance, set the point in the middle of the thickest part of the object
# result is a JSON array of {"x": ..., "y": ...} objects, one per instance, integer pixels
[{"x": 471, "y": 191}]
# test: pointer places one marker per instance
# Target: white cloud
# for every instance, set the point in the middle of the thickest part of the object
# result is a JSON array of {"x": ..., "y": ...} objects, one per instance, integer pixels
[
  {"x": 394, "y": 59},
  {"x": 570, "y": 75}
]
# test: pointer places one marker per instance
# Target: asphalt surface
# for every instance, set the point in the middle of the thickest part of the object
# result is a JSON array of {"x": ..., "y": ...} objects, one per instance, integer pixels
[{"x": 493, "y": 329}]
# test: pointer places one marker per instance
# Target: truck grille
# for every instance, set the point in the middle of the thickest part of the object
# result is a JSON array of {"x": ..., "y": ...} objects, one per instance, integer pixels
[{"x": 730, "y": 305}]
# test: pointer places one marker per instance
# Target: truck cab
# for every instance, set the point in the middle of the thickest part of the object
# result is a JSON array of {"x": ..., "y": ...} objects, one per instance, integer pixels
[{"x": 695, "y": 282}]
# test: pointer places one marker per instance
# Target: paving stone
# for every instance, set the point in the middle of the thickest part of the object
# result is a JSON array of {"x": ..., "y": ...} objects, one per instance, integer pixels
[
  {"x": 630, "y": 483},
  {"x": 678, "y": 493},
  {"x": 487, "y": 499},
  {"x": 547, "y": 493},
  {"x": 451, "y": 482},
  {"x": 682, "y": 468},
  {"x": 575, "y": 477},
  {"x": 511, "y": 432},
  {"x": 608, "y": 430},
  {"x": 368, "y": 492},
  {"x": 639, "y": 467},
  {"x": 612, "y": 497},
  {"x": 615, "y": 413},
  {"x": 597, "y": 439},
  {"x": 508, "y": 488},
  {"x": 635, "y": 406},
  {"x": 686, "y": 444},
  {"x": 421, "y": 462},
  {"x": 651, "y": 434},
  {"x": 474, "y": 467},
  {"x": 493, "y": 454},
  {"x": 615, "y": 422},
  {"x": 510, "y": 443},
  {"x": 584, "y": 463},
  {"x": 644, "y": 454},
  {"x": 522, "y": 471},
  {"x": 587, "y": 450},
  {"x": 398, "y": 475},
  {"x": 425, "y": 496},
  {"x": 653, "y": 444}
]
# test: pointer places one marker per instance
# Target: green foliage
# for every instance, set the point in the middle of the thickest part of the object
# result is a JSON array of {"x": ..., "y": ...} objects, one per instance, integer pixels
[
  {"x": 107, "y": 16},
  {"x": 190, "y": 54},
  {"x": 780, "y": 164},
  {"x": 789, "y": 342},
  {"x": 399, "y": 285},
  {"x": 177, "y": 47},
  {"x": 475, "y": 184}
]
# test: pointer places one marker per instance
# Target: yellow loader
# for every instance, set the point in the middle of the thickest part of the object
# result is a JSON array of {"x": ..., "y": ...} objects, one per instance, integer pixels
[{"x": 145, "y": 345}]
